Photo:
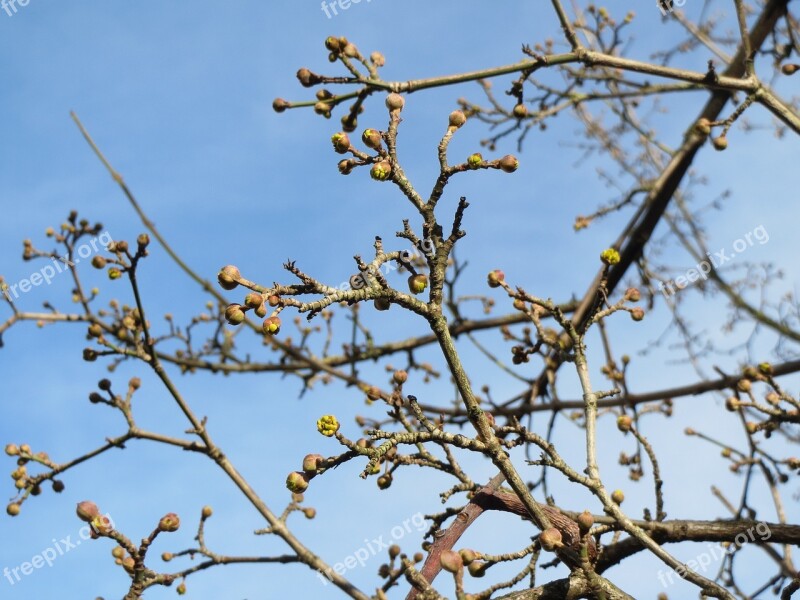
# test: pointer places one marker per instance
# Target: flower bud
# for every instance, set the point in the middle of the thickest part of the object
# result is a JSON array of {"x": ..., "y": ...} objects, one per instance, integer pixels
[
  {"x": 87, "y": 511},
  {"x": 637, "y": 313},
  {"x": 228, "y": 277},
  {"x": 206, "y": 512},
  {"x": 417, "y": 283},
  {"x": 381, "y": 303},
  {"x": 181, "y": 589},
  {"x": 474, "y": 160},
  {"x": 385, "y": 481},
  {"x": 400, "y": 377},
  {"x": 309, "y": 512},
  {"x": 468, "y": 556},
  {"x": 98, "y": 262},
  {"x": 703, "y": 126},
  {"x": 624, "y": 423},
  {"x": 790, "y": 69},
  {"x": 323, "y": 108},
  {"x": 457, "y": 119},
  {"x": 720, "y": 143},
  {"x": 13, "y": 509},
  {"x": 332, "y": 44},
  {"x": 550, "y": 539},
  {"x": 395, "y": 102},
  {"x": 610, "y": 256},
  {"x": 372, "y": 138},
  {"x": 349, "y": 123},
  {"x": 509, "y": 163},
  {"x": 297, "y": 482},
  {"x": 632, "y": 294},
  {"x": 327, "y": 425},
  {"x": 381, "y": 171},
  {"x": 118, "y": 552},
  {"x": 234, "y": 314},
  {"x": 307, "y": 78},
  {"x": 167, "y": 556},
  {"x": 346, "y": 165},
  {"x": 585, "y": 521},
  {"x": 271, "y": 326},
  {"x": 58, "y": 486},
  {"x": 253, "y": 300},
  {"x": 279, "y": 105},
  {"x": 12, "y": 449},
  {"x": 477, "y": 568},
  {"x": 311, "y": 462},
  {"x": 169, "y": 522},
  {"x": 129, "y": 564},
  {"x": 377, "y": 59},
  {"x": 618, "y": 496},
  {"x": 495, "y": 277},
  {"x": 341, "y": 142},
  {"x": 451, "y": 561},
  {"x": 520, "y": 111}
]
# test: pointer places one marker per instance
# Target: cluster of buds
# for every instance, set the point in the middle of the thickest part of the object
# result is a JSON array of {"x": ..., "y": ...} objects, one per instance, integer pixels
[
  {"x": 328, "y": 425},
  {"x": 297, "y": 481},
  {"x": 23, "y": 480},
  {"x": 508, "y": 163},
  {"x": 229, "y": 278}
]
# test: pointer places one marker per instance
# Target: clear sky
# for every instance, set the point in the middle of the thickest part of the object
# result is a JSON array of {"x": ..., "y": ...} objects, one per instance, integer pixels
[{"x": 178, "y": 95}]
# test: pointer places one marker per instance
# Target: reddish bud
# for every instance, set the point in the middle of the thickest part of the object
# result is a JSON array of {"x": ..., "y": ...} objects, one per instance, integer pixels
[
  {"x": 87, "y": 511},
  {"x": 169, "y": 522},
  {"x": 495, "y": 277}
]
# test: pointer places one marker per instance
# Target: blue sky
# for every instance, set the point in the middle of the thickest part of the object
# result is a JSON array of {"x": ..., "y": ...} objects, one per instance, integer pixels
[{"x": 178, "y": 96}]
